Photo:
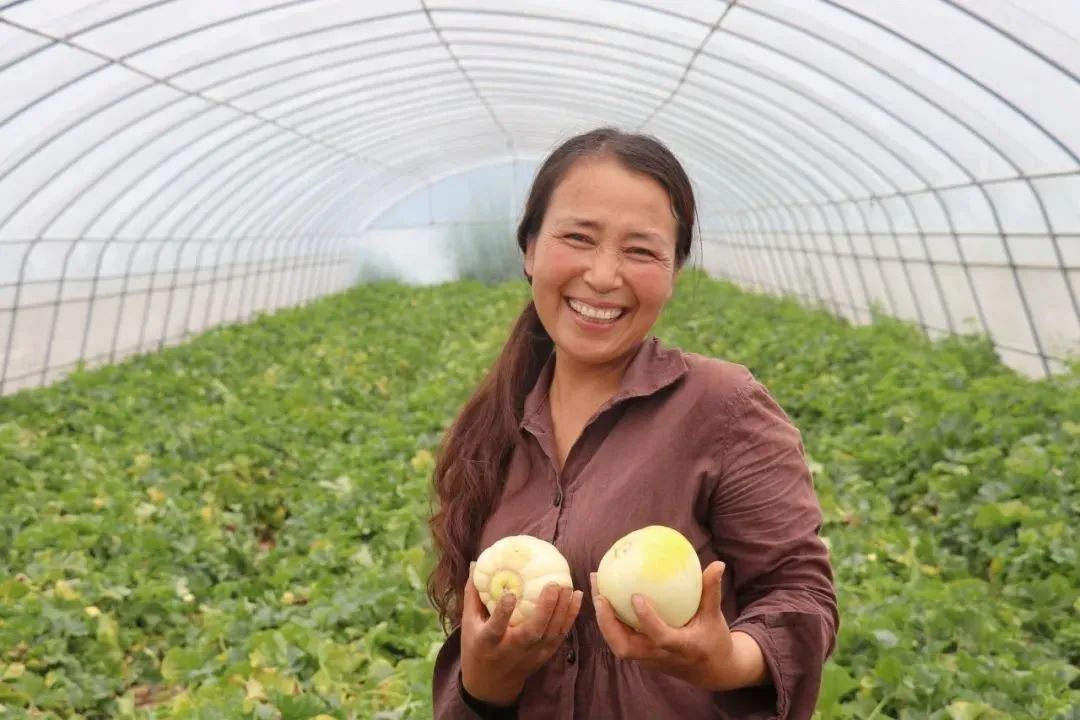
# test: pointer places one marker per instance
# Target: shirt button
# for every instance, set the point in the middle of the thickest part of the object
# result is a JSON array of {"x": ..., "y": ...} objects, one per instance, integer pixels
[{"x": 571, "y": 656}]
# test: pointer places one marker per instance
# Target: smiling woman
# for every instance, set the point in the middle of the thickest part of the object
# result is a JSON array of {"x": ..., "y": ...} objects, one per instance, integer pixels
[
  {"x": 603, "y": 262},
  {"x": 586, "y": 429}
]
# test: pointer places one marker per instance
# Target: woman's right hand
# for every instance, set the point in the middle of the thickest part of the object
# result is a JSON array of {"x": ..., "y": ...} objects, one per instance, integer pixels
[{"x": 497, "y": 659}]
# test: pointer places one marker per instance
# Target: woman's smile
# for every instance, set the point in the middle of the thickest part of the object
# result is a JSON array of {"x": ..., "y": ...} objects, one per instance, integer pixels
[{"x": 593, "y": 317}]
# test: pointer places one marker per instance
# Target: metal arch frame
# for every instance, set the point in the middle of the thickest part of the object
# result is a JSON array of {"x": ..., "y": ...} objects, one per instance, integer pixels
[
  {"x": 373, "y": 214},
  {"x": 423, "y": 70},
  {"x": 689, "y": 63},
  {"x": 874, "y": 139},
  {"x": 185, "y": 94},
  {"x": 319, "y": 69},
  {"x": 908, "y": 165},
  {"x": 222, "y": 181},
  {"x": 814, "y": 205},
  {"x": 1033, "y": 327},
  {"x": 750, "y": 175},
  {"x": 468, "y": 79},
  {"x": 153, "y": 224},
  {"x": 425, "y": 63},
  {"x": 911, "y": 168},
  {"x": 239, "y": 224},
  {"x": 735, "y": 189},
  {"x": 323, "y": 219},
  {"x": 570, "y": 20},
  {"x": 320, "y": 220},
  {"x": 353, "y": 124},
  {"x": 289, "y": 179},
  {"x": 578, "y": 39},
  {"x": 943, "y": 306},
  {"x": 319, "y": 164},
  {"x": 3, "y": 374},
  {"x": 1036, "y": 194},
  {"x": 234, "y": 76},
  {"x": 812, "y": 164},
  {"x": 298, "y": 57},
  {"x": 29, "y": 251},
  {"x": 553, "y": 88}
]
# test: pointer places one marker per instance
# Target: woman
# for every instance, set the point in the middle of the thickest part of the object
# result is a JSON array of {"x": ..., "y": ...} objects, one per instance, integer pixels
[{"x": 588, "y": 428}]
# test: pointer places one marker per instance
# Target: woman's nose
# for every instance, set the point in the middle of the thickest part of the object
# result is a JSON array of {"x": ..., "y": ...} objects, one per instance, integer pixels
[{"x": 603, "y": 272}]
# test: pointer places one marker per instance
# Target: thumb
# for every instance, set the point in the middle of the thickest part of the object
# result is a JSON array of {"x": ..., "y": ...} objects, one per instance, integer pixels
[
  {"x": 651, "y": 623},
  {"x": 711, "y": 588},
  {"x": 496, "y": 625}
]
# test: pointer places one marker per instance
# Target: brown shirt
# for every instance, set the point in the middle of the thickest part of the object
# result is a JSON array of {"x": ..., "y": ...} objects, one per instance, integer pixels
[{"x": 697, "y": 444}]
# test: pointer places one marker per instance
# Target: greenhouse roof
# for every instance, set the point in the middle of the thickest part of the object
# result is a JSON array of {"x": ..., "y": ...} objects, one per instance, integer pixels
[{"x": 939, "y": 134}]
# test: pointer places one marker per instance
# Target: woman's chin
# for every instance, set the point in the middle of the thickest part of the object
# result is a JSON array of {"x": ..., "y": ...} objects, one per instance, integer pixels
[{"x": 590, "y": 348}]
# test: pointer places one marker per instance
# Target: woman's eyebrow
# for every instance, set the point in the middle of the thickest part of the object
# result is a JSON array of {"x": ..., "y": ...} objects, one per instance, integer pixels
[
  {"x": 591, "y": 224},
  {"x": 654, "y": 237},
  {"x": 594, "y": 225}
]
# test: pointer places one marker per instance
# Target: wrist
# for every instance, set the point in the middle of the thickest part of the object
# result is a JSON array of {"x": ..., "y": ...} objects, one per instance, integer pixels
[
  {"x": 500, "y": 693},
  {"x": 745, "y": 666},
  {"x": 742, "y": 667}
]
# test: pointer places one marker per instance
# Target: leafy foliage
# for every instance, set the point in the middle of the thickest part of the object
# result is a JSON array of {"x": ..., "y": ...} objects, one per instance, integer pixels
[{"x": 237, "y": 527}]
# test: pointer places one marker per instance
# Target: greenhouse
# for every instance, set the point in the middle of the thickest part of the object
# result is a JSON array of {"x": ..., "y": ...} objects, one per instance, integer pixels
[{"x": 293, "y": 292}]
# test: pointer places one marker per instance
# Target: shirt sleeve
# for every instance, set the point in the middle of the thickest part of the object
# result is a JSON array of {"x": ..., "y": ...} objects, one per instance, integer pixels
[
  {"x": 449, "y": 698},
  {"x": 765, "y": 520}
]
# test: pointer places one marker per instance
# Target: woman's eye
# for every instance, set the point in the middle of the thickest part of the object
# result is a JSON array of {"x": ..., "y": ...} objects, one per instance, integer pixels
[
  {"x": 577, "y": 238},
  {"x": 642, "y": 252}
]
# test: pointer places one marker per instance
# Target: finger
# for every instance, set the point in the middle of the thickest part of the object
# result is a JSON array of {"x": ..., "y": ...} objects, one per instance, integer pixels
[
  {"x": 617, "y": 635},
  {"x": 652, "y": 625},
  {"x": 495, "y": 627},
  {"x": 570, "y": 618},
  {"x": 562, "y": 605},
  {"x": 712, "y": 589},
  {"x": 534, "y": 630}
]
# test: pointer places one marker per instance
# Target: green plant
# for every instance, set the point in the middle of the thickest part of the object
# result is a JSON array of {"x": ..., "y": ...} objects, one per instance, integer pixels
[{"x": 235, "y": 527}]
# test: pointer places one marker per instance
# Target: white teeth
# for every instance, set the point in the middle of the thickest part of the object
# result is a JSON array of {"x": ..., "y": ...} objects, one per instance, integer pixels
[{"x": 594, "y": 313}]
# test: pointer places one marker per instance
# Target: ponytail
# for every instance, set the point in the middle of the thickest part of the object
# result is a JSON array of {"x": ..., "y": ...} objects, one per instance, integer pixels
[{"x": 471, "y": 466}]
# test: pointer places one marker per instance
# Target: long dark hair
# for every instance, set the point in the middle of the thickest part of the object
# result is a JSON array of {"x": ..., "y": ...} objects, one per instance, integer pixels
[{"x": 476, "y": 450}]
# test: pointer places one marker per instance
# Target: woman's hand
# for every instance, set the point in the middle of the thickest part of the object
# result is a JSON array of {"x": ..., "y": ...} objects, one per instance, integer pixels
[
  {"x": 704, "y": 652},
  {"x": 497, "y": 659}
]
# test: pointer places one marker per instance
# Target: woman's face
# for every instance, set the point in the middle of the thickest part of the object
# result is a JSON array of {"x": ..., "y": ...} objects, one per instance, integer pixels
[{"x": 605, "y": 249}]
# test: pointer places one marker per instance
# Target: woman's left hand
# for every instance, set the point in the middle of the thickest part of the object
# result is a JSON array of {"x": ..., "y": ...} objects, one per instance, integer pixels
[{"x": 704, "y": 652}]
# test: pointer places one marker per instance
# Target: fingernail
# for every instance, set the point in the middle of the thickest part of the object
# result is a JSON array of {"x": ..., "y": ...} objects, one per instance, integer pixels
[
  {"x": 639, "y": 602},
  {"x": 507, "y": 599}
]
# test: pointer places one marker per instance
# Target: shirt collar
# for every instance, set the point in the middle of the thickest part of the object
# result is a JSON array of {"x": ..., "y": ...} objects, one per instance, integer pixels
[{"x": 653, "y": 368}]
